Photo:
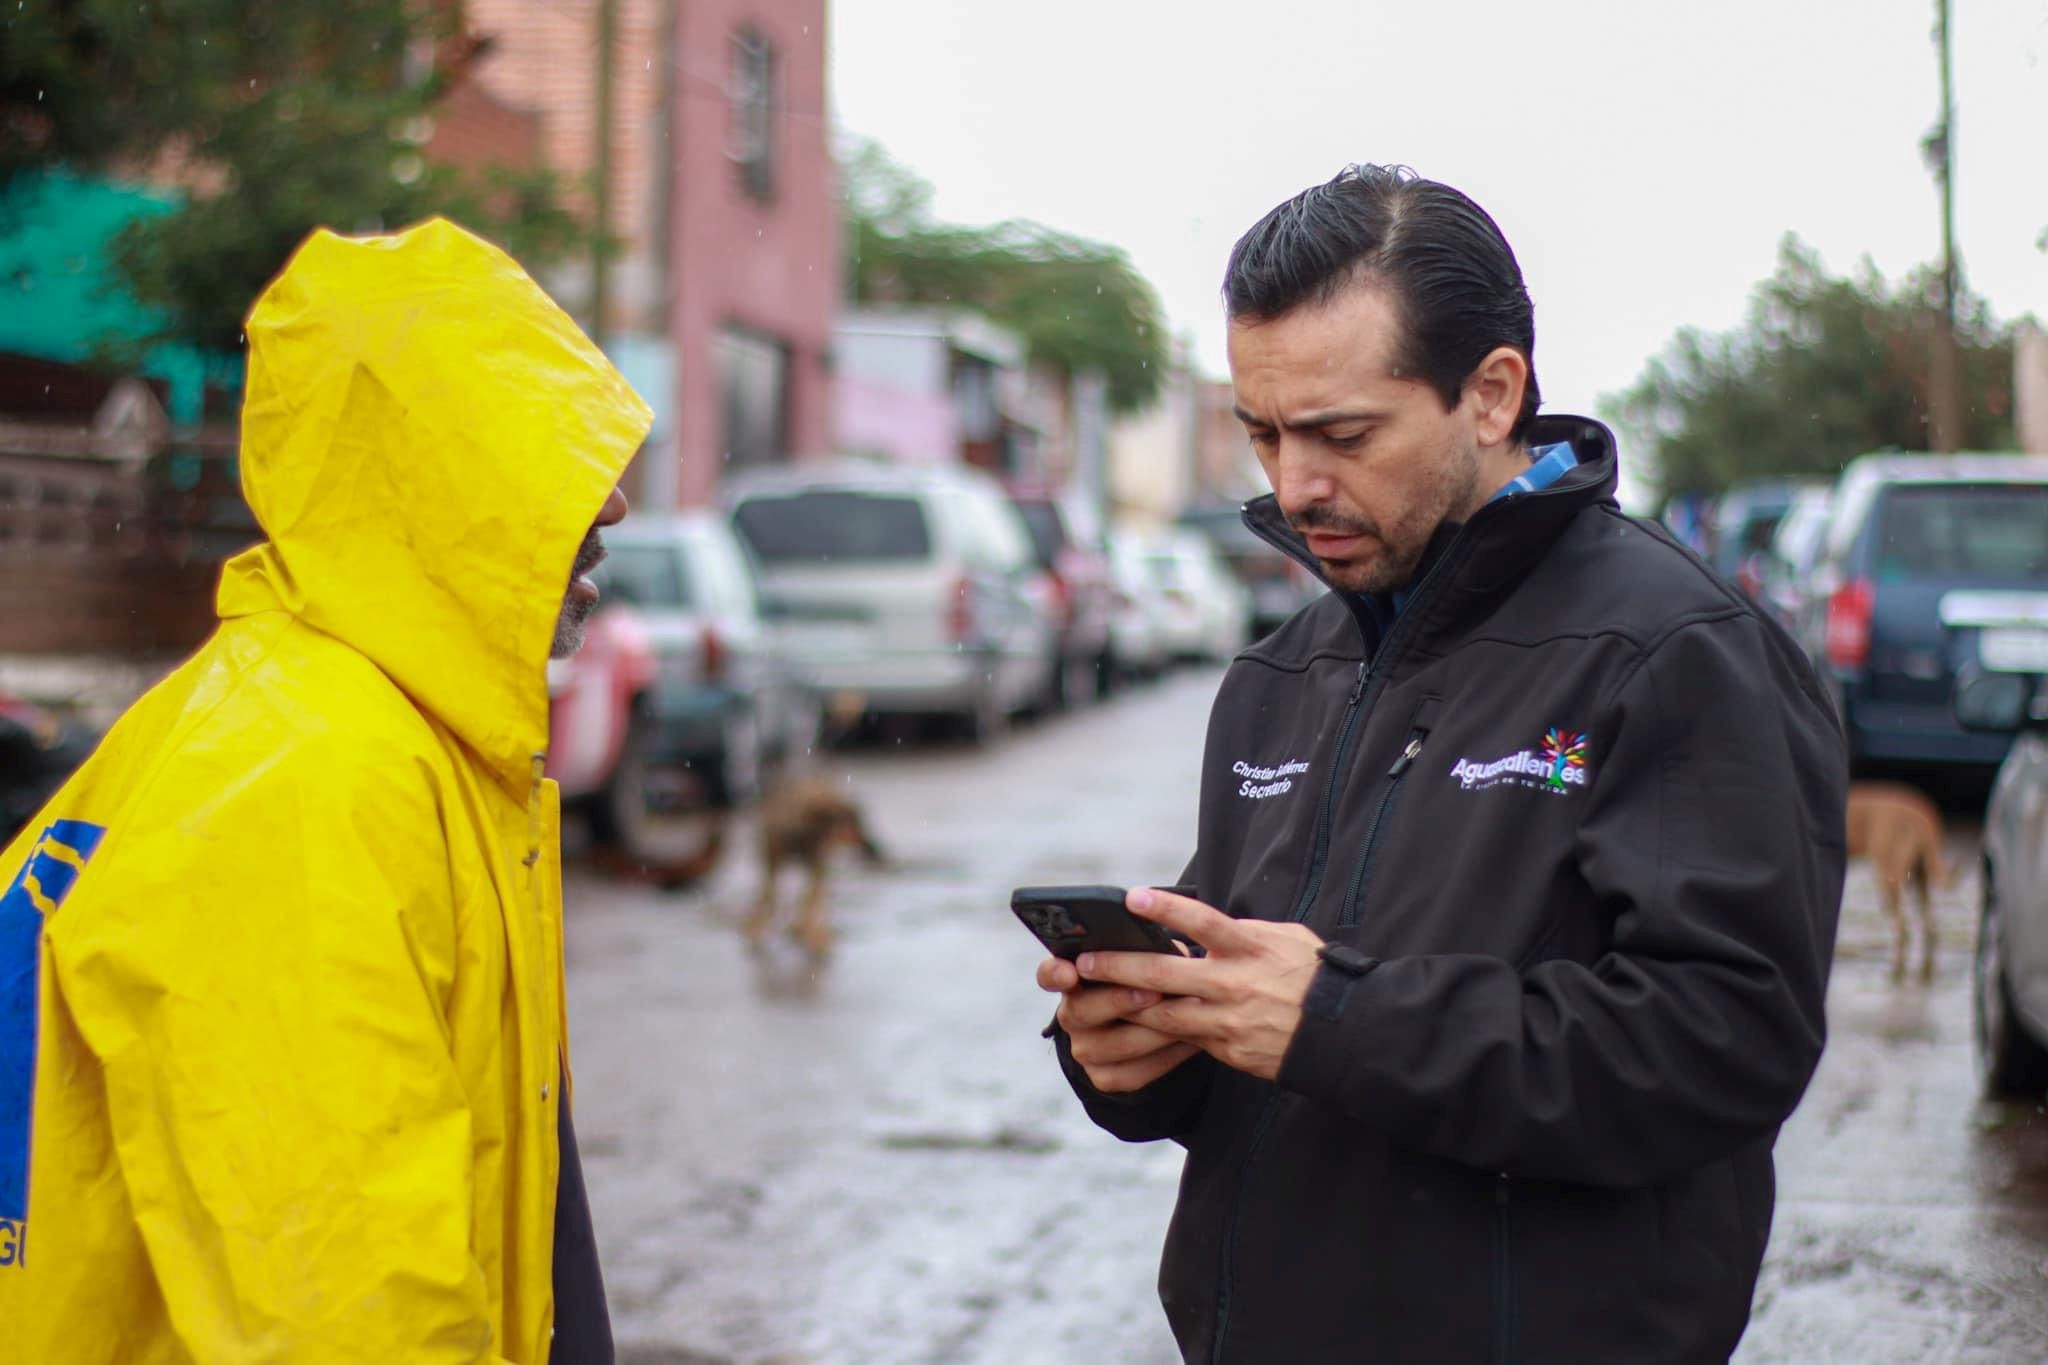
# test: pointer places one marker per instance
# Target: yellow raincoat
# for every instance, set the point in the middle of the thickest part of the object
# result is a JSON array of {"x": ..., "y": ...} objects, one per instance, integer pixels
[{"x": 281, "y": 1023}]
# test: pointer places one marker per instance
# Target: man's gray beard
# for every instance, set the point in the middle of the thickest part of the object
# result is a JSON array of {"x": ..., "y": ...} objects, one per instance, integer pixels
[
  {"x": 575, "y": 617},
  {"x": 570, "y": 627}
]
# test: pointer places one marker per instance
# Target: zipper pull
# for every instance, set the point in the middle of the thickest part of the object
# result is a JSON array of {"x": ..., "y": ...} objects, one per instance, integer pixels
[
  {"x": 1358, "y": 687},
  {"x": 1407, "y": 757}
]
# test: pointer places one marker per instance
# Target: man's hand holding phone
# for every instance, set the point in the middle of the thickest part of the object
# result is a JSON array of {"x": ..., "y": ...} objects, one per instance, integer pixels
[
  {"x": 1070, "y": 921},
  {"x": 1240, "y": 1003},
  {"x": 1119, "y": 1056}
]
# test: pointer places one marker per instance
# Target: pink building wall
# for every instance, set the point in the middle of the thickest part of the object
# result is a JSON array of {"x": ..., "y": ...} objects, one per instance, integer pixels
[
  {"x": 771, "y": 267},
  {"x": 916, "y": 428}
]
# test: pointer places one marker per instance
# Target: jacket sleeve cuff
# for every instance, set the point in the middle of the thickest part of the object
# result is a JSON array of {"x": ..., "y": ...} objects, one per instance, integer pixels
[{"x": 1319, "y": 1058}]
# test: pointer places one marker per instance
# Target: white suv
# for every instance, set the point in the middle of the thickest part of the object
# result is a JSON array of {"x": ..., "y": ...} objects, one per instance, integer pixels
[{"x": 902, "y": 589}]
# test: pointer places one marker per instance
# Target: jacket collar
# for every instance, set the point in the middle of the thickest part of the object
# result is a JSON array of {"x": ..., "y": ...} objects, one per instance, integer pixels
[{"x": 1469, "y": 563}]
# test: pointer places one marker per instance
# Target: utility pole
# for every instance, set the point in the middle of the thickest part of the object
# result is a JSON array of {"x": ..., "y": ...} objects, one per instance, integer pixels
[
  {"x": 601, "y": 172},
  {"x": 1945, "y": 404}
]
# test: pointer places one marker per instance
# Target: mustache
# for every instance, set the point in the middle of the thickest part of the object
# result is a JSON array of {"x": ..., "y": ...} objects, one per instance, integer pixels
[
  {"x": 1330, "y": 521},
  {"x": 589, "y": 554}
]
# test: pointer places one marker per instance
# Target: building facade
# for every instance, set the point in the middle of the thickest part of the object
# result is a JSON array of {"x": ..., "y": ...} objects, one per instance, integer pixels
[{"x": 720, "y": 299}]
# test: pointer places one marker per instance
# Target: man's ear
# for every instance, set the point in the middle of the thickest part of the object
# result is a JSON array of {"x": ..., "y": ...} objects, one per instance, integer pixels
[{"x": 1495, "y": 391}]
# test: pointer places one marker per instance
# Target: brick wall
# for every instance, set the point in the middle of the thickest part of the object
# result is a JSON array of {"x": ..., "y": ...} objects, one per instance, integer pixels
[{"x": 542, "y": 64}]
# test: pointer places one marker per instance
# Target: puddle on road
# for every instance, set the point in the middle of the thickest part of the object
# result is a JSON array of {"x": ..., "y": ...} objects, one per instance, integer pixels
[{"x": 1001, "y": 1140}]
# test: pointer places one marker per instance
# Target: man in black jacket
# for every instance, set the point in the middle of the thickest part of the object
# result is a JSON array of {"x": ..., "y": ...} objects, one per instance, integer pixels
[{"x": 1524, "y": 846}]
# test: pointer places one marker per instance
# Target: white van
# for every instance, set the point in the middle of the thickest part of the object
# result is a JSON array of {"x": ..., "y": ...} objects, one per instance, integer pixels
[{"x": 906, "y": 589}]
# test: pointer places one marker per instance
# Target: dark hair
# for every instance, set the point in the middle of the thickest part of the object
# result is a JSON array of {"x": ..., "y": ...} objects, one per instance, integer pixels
[{"x": 1453, "y": 277}]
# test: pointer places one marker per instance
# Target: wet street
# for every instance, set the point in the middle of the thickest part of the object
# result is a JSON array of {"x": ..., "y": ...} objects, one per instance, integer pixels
[{"x": 879, "y": 1161}]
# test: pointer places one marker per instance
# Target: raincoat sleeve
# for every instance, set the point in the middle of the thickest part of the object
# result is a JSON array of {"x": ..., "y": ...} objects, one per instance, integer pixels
[
  {"x": 1170, "y": 1107},
  {"x": 266, "y": 986},
  {"x": 1714, "y": 846}
]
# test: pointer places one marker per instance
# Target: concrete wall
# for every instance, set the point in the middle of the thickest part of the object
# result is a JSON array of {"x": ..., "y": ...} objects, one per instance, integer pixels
[{"x": 1152, "y": 455}]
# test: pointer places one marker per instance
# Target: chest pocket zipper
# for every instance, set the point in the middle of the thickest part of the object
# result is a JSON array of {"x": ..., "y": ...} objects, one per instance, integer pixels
[{"x": 1418, "y": 733}]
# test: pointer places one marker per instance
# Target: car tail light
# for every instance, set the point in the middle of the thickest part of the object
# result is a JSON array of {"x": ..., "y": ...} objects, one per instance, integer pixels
[
  {"x": 1062, "y": 594},
  {"x": 715, "y": 655},
  {"x": 960, "y": 612},
  {"x": 1848, "y": 626}
]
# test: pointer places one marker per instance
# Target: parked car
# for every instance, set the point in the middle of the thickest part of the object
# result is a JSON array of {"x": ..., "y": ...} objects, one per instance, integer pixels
[
  {"x": 727, "y": 700},
  {"x": 1787, "y": 567},
  {"x": 1744, "y": 520},
  {"x": 903, "y": 589},
  {"x": 39, "y": 749},
  {"x": 1277, "y": 587},
  {"x": 1929, "y": 564},
  {"x": 1138, "y": 609},
  {"x": 1072, "y": 555},
  {"x": 1207, "y": 609},
  {"x": 2009, "y": 1002},
  {"x": 595, "y": 701}
]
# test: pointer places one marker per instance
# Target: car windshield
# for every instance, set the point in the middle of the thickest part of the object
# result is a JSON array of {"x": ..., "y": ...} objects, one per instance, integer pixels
[
  {"x": 644, "y": 576},
  {"x": 834, "y": 526},
  {"x": 1989, "y": 531}
]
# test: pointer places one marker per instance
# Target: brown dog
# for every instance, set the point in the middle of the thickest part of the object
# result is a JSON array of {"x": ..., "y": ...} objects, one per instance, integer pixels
[
  {"x": 802, "y": 822},
  {"x": 1899, "y": 831}
]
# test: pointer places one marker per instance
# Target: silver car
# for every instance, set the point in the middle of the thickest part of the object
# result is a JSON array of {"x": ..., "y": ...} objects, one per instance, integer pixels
[
  {"x": 2010, "y": 1014},
  {"x": 727, "y": 698},
  {"x": 902, "y": 589}
]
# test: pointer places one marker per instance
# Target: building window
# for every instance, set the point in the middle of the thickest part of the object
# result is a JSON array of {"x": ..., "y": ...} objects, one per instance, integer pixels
[
  {"x": 753, "y": 391},
  {"x": 751, "y": 144}
]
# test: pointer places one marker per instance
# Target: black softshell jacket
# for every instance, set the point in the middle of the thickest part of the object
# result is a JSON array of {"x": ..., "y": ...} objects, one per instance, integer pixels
[{"x": 1581, "y": 807}]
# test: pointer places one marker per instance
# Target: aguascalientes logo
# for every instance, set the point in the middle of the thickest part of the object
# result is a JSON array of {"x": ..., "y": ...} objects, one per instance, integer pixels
[{"x": 1559, "y": 765}]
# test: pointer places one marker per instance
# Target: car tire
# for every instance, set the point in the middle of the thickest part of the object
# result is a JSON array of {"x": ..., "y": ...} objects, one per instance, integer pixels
[
  {"x": 620, "y": 814},
  {"x": 2010, "y": 1064},
  {"x": 1073, "y": 682},
  {"x": 989, "y": 719}
]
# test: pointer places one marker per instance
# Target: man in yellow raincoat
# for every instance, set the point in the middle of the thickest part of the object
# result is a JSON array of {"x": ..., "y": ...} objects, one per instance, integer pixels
[{"x": 282, "y": 1053}]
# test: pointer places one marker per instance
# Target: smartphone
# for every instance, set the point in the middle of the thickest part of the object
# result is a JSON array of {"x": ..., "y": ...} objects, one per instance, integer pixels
[{"x": 1071, "y": 920}]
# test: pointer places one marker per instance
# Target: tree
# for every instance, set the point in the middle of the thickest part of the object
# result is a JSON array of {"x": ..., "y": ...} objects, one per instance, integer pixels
[
  {"x": 1078, "y": 305},
  {"x": 1822, "y": 369},
  {"x": 274, "y": 118}
]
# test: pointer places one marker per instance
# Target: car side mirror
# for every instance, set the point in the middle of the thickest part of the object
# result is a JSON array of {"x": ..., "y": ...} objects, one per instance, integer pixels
[{"x": 1997, "y": 703}]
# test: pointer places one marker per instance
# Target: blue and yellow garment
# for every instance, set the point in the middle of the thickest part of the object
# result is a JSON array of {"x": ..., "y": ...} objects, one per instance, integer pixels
[{"x": 281, "y": 1023}]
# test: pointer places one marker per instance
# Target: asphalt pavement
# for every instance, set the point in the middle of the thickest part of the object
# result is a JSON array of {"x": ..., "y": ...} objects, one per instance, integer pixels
[{"x": 878, "y": 1161}]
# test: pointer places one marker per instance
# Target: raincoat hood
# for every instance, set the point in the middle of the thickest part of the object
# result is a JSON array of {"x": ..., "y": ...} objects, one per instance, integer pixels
[{"x": 426, "y": 439}]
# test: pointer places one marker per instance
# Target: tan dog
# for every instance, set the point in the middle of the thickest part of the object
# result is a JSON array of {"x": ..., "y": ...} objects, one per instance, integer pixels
[
  {"x": 802, "y": 822},
  {"x": 1899, "y": 830}
]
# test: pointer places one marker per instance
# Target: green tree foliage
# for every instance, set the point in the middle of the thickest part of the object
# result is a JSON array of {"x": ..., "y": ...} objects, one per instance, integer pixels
[
  {"x": 280, "y": 117},
  {"x": 1078, "y": 305},
  {"x": 1822, "y": 370}
]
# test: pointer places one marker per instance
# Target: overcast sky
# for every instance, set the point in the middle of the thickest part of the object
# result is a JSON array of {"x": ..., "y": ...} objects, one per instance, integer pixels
[{"x": 1643, "y": 158}]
